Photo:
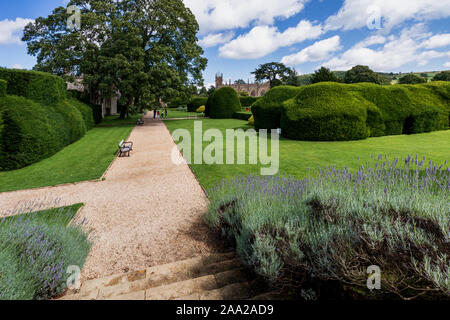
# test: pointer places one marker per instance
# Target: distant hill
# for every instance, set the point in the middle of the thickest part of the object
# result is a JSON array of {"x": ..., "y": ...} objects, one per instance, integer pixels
[{"x": 424, "y": 74}]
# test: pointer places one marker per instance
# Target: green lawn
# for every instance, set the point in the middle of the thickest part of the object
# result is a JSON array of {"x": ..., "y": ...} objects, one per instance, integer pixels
[
  {"x": 173, "y": 113},
  {"x": 86, "y": 159},
  {"x": 298, "y": 158},
  {"x": 113, "y": 121},
  {"x": 57, "y": 216}
]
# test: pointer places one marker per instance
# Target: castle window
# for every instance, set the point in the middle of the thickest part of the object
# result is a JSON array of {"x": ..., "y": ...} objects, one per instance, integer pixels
[{"x": 253, "y": 94}]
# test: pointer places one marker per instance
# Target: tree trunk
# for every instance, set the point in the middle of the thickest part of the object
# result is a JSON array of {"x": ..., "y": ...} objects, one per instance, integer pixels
[{"x": 124, "y": 110}]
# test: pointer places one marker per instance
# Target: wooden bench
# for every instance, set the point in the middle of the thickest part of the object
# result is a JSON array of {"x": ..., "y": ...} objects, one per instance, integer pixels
[{"x": 125, "y": 147}]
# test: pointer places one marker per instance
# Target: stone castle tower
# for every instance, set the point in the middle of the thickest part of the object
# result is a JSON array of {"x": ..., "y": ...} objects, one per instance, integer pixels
[
  {"x": 219, "y": 80},
  {"x": 253, "y": 89}
]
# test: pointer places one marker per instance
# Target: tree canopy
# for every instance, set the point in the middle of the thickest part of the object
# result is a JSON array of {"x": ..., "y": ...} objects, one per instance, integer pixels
[
  {"x": 145, "y": 49},
  {"x": 276, "y": 73},
  {"x": 411, "y": 79},
  {"x": 240, "y": 81},
  {"x": 442, "y": 76},
  {"x": 324, "y": 75},
  {"x": 363, "y": 74}
]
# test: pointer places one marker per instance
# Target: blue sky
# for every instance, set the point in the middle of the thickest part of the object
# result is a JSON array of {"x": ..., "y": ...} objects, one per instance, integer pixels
[{"x": 238, "y": 35}]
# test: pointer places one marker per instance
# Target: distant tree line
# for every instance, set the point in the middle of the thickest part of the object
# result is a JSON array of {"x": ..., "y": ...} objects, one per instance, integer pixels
[{"x": 278, "y": 74}]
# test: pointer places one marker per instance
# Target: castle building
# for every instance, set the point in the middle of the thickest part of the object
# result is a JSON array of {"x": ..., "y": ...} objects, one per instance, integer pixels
[{"x": 253, "y": 89}]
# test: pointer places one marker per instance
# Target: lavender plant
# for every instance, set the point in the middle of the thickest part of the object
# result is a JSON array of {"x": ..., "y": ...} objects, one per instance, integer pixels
[
  {"x": 331, "y": 227},
  {"x": 35, "y": 251}
]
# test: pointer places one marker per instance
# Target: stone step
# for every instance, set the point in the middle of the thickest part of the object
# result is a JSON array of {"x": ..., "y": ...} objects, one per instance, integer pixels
[
  {"x": 122, "y": 284},
  {"x": 235, "y": 291},
  {"x": 214, "y": 277},
  {"x": 196, "y": 286}
]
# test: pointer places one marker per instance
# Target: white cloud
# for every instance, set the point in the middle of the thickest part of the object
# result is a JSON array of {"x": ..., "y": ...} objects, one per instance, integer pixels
[
  {"x": 17, "y": 66},
  {"x": 263, "y": 40},
  {"x": 447, "y": 65},
  {"x": 317, "y": 52},
  {"x": 437, "y": 41},
  {"x": 214, "y": 15},
  {"x": 354, "y": 13},
  {"x": 214, "y": 39},
  {"x": 11, "y": 31},
  {"x": 373, "y": 40},
  {"x": 396, "y": 52}
]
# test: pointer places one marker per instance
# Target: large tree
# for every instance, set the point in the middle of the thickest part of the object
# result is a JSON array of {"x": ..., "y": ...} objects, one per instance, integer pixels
[
  {"x": 276, "y": 73},
  {"x": 240, "y": 81},
  {"x": 364, "y": 74},
  {"x": 442, "y": 76},
  {"x": 145, "y": 49},
  {"x": 411, "y": 79},
  {"x": 324, "y": 75}
]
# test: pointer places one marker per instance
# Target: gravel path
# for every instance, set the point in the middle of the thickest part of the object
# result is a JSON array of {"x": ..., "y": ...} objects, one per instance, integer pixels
[{"x": 147, "y": 212}]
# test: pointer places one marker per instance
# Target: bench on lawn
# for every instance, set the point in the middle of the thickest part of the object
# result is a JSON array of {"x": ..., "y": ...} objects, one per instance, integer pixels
[{"x": 125, "y": 147}]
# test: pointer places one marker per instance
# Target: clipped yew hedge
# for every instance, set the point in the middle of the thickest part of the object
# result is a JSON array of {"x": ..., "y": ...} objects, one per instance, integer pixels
[
  {"x": 324, "y": 112},
  {"x": 37, "y": 86},
  {"x": 30, "y": 132},
  {"x": 195, "y": 103},
  {"x": 3, "y": 84},
  {"x": 37, "y": 118},
  {"x": 333, "y": 111},
  {"x": 406, "y": 109},
  {"x": 86, "y": 112},
  {"x": 248, "y": 101},
  {"x": 267, "y": 110},
  {"x": 243, "y": 115},
  {"x": 223, "y": 103}
]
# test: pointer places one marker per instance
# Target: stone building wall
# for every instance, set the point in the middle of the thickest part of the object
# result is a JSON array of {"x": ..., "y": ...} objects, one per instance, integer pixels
[
  {"x": 253, "y": 89},
  {"x": 109, "y": 105}
]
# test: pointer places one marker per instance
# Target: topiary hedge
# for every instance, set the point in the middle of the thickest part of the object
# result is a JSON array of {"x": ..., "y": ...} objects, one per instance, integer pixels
[
  {"x": 324, "y": 112},
  {"x": 248, "y": 101},
  {"x": 223, "y": 103},
  {"x": 404, "y": 106},
  {"x": 3, "y": 84},
  {"x": 242, "y": 115},
  {"x": 195, "y": 103},
  {"x": 37, "y": 86},
  {"x": 30, "y": 132},
  {"x": 332, "y": 111},
  {"x": 267, "y": 110},
  {"x": 38, "y": 118},
  {"x": 86, "y": 112}
]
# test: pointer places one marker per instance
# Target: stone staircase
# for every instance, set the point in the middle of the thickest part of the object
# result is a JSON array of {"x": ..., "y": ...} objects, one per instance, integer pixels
[{"x": 213, "y": 277}]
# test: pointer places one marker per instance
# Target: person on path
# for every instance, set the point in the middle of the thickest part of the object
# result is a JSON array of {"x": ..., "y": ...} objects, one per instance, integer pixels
[
  {"x": 166, "y": 112},
  {"x": 154, "y": 114}
]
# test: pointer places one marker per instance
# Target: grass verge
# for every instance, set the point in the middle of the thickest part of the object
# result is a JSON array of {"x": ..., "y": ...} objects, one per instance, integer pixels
[
  {"x": 173, "y": 114},
  {"x": 298, "y": 158},
  {"x": 86, "y": 159}
]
